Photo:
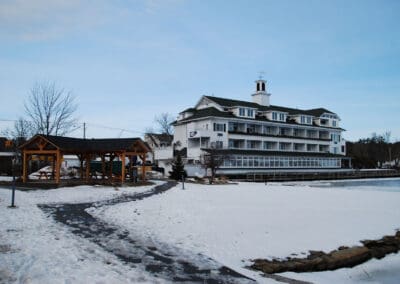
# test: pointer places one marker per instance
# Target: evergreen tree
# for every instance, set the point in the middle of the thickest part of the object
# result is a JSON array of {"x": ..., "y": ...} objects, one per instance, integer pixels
[{"x": 177, "y": 169}]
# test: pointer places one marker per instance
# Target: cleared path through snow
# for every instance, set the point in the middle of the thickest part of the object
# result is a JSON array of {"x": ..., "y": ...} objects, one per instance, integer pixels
[{"x": 166, "y": 262}]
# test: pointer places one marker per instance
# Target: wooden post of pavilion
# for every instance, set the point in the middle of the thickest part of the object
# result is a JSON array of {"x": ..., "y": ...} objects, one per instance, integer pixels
[
  {"x": 25, "y": 167},
  {"x": 111, "y": 163},
  {"x": 87, "y": 167},
  {"x": 143, "y": 157},
  {"x": 123, "y": 167},
  {"x": 103, "y": 166},
  {"x": 54, "y": 166},
  {"x": 58, "y": 166}
]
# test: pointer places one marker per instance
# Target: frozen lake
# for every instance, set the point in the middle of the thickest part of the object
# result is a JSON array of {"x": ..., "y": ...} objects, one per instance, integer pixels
[{"x": 383, "y": 184}]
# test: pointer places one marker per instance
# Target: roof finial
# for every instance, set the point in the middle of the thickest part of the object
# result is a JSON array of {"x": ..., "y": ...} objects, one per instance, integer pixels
[{"x": 261, "y": 74}]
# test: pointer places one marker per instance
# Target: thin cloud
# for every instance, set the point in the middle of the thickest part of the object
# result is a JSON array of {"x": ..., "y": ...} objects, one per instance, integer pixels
[
  {"x": 50, "y": 19},
  {"x": 42, "y": 20}
]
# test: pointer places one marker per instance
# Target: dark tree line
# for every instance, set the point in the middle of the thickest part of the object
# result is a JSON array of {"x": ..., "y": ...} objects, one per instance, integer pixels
[{"x": 373, "y": 152}]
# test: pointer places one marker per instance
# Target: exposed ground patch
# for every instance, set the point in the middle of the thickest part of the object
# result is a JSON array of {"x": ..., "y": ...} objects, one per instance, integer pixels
[{"x": 340, "y": 258}]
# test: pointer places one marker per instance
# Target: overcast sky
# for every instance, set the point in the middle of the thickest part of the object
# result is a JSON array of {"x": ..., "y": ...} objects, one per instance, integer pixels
[{"x": 127, "y": 61}]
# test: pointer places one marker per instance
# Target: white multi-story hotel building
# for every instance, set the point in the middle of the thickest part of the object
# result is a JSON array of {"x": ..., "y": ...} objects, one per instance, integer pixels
[{"x": 257, "y": 136}]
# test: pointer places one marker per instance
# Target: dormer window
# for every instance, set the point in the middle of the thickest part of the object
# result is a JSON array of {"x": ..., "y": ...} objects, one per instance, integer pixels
[
  {"x": 278, "y": 116},
  {"x": 246, "y": 112},
  {"x": 305, "y": 119}
]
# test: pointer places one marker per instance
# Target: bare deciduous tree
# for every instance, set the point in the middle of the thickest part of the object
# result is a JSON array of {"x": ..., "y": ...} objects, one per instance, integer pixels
[
  {"x": 51, "y": 109},
  {"x": 163, "y": 122},
  {"x": 213, "y": 160},
  {"x": 22, "y": 130}
]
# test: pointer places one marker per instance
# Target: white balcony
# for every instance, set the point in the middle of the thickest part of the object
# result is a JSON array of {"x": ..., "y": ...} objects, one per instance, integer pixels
[{"x": 195, "y": 134}]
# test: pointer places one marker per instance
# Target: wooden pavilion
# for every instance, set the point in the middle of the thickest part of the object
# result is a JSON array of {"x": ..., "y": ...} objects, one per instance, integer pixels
[{"x": 55, "y": 147}]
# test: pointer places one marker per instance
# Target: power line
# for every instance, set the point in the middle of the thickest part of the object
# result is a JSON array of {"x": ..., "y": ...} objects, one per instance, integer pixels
[
  {"x": 9, "y": 120},
  {"x": 84, "y": 125},
  {"x": 114, "y": 128}
]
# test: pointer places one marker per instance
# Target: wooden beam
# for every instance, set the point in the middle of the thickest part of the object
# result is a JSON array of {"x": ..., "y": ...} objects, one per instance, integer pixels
[
  {"x": 81, "y": 158},
  {"x": 87, "y": 168},
  {"x": 53, "y": 166},
  {"x": 103, "y": 166},
  {"x": 123, "y": 168},
  {"x": 58, "y": 166},
  {"x": 41, "y": 152},
  {"x": 111, "y": 167},
  {"x": 25, "y": 167},
  {"x": 143, "y": 157}
]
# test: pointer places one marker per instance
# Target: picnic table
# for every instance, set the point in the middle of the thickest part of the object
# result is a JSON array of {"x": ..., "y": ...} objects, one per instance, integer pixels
[{"x": 44, "y": 175}]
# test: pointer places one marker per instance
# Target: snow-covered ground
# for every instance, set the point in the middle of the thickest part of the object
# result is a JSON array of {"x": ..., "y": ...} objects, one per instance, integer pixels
[
  {"x": 229, "y": 223},
  {"x": 6, "y": 178},
  {"x": 235, "y": 223},
  {"x": 36, "y": 249}
]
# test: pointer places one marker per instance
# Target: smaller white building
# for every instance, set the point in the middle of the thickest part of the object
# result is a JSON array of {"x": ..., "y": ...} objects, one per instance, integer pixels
[{"x": 162, "y": 150}]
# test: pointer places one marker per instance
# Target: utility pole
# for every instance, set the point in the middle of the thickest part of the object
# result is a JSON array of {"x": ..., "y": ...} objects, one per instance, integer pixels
[{"x": 84, "y": 130}]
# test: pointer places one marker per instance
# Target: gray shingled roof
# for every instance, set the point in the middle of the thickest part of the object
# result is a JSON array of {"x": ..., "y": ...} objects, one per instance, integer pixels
[
  {"x": 166, "y": 138},
  {"x": 292, "y": 111},
  {"x": 206, "y": 112},
  {"x": 89, "y": 145},
  {"x": 188, "y": 110},
  {"x": 212, "y": 111}
]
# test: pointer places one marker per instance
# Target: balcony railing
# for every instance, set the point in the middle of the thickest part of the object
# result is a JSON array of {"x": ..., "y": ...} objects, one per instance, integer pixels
[{"x": 278, "y": 135}]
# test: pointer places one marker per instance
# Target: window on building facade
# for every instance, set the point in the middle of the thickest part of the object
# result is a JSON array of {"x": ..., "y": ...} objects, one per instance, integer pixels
[
  {"x": 282, "y": 117},
  {"x": 335, "y": 137},
  {"x": 334, "y": 123},
  {"x": 274, "y": 116},
  {"x": 284, "y": 131},
  {"x": 305, "y": 119},
  {"x": 284, "y": 146},
  {"x": 250, "y": 112},
  {"x": 269, "y": 145},
  {"x": 242, "y": 111},
  {"x": 282, "y": 162},
  {"x": 236, "y": 144},
  {"x": 250, "y": 128},
  {"x": 219, "y": 127},
  {"x": 252, "y": 144}
]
